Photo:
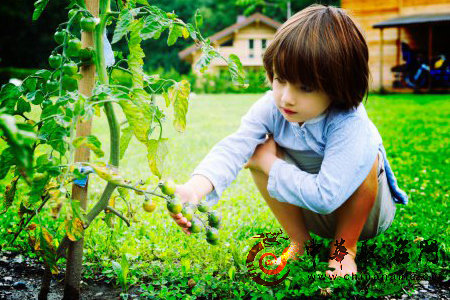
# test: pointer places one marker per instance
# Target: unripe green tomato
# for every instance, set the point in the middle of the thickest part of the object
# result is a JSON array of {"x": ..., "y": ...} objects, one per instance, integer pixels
[
  {"x": 168, "y": 186},
  {"x": 149, "y": 206},
  {"x": 196, "y": 226},
  {"x": 52, "y": 86},
  {"x": 39, "y": 177},
  {"x": 86, "y": 54},
  {"x": 55, "y": 61},
  {"x": 87, "y": 24},
  {"x": 212, "y": 242},
  {"x": 59, "y": 37},
  {"x": 72, "y": 12},
  {"x": 73, "y": 47},
  {"x": 174, "y": 205},
  {"x": 187, "y": 212},
  {"x": 68, "y": 83},
  {"x": 203, "y": 207},
  {"x": 214, "y": 218},
  {"x": 70, "y": 68},
  {"x": 212, "y": 233}
]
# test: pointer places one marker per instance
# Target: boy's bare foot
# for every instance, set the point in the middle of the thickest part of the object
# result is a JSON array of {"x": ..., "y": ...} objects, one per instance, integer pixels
[{"x": 347, "y": 264}]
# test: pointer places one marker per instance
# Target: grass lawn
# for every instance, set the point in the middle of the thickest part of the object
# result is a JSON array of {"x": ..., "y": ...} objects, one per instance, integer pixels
[{"x": 162, "y": 258}]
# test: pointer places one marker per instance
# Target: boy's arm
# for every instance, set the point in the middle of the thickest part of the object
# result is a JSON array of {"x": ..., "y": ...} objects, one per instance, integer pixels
[
  {"x": 224, "y": 161},
  {"x": 350, "y": 151}
]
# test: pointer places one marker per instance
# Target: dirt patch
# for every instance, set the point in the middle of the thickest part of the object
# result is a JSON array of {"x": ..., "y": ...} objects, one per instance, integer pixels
[{"x": 20, "y": 278}]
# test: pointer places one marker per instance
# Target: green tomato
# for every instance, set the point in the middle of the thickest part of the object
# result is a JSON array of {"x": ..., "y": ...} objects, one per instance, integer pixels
[
  {"x": 187, "y": 212},
  {"x": 196, "y": 226},
  {"x": 70, "y": 68},
  {"x": 212, "y": 234},
  {"x": 73, "y": 47},
  {"x": 214, "y": 218},
  {"x": 68, "y": 83},
  {"x": 87, "y": 24},
  {"x": 168, "y": 186},
  {"x": 149, "y": 206},
  {"x": 86, "y": 54},
  {"x": 174, "y": 205},
  {"x": 52, "y": 86},
  {"x": 212, "y": 242},
  {"x": 55, "y": 61},
  {"x": 203, "y": 207},
  {"x": 39, "y": 177},
  {"x": 59, "y": 36},
  {"x": 72, "y": 13}
]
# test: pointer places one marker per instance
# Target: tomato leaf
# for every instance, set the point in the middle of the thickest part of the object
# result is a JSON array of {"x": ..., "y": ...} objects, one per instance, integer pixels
[
  {"x": 135, "y": 58},
  {"x": 107, "y": 172},
  {"x": 74, "y": 229},
  {"x": 6, "y": 161},
  {"x": 122, "y": 26},
  {"x": 22, "y": 106},
  {"x": 153, "y": 28},
  {"x": 157, "y": 152},
  {"x": 236, "y": 70},
  {"x": 198, "y": 19},
  {"x": 175, "y": 31},
  {"x": 178, "y": 95},
  {"x": 90, "y": 141},
  {"x": 39, "y": 7},
  {"x": 127, "y": 134}
]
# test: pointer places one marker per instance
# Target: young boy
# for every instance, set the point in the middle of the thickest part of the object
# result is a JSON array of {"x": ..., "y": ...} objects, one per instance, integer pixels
[{"x": 323, "y": 168}]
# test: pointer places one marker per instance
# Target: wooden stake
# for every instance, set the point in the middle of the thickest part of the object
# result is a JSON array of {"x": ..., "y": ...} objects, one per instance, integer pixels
[{"x": 85, "y": 86}]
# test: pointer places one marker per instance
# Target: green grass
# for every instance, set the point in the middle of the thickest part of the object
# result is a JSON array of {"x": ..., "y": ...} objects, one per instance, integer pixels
[{"x": 162, "y": 258}]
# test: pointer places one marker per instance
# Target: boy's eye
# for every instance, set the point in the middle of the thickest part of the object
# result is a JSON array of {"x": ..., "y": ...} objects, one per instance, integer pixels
[
  {"x": 279, "y": 80},
  {"x": 306, "y": 89}
]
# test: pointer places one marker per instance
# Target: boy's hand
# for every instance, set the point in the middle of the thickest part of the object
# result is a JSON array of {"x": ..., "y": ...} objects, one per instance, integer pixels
[
  {"x": 186, "y": 194},
  {"x": 264, "y": 155}
]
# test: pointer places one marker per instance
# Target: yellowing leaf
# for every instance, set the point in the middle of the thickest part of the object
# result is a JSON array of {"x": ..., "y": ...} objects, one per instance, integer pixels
[
  {"x": 157, "y": 152},
  {"x": 185, "y": 32},
  {"x": 178, "y": 95},
  {"x": 74, "y": 229},
  {"x": 107, "y": 172},
  {"x": 90, "y": 141}
]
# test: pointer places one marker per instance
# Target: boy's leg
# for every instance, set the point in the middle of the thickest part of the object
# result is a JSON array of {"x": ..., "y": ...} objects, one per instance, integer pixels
[
  {"x": 289, "y": 216},
  {"x": 351, "y": 217}
]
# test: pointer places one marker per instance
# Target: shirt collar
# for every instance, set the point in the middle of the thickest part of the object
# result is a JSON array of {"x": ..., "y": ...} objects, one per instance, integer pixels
[{"x": 311, "y": 121}]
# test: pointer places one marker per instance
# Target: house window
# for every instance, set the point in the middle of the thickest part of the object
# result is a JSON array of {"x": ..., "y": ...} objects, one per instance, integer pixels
[
  {"x": 250, "y": 43},
  {"x": 263, "y": 43},
  {"x": 228, "y": 43}
]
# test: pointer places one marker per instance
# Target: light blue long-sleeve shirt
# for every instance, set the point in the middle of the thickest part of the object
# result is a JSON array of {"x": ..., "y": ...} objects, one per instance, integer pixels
[{"x": 348, "y": 141}]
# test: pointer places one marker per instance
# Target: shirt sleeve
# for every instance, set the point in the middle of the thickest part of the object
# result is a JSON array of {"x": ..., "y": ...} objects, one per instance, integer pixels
[
  {"x": 349, "y": 154},
  {"x": 224, "y": 161}
]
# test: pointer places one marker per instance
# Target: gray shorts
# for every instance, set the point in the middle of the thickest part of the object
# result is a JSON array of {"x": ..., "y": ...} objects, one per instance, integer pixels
[{"x": 380, "y": 217}]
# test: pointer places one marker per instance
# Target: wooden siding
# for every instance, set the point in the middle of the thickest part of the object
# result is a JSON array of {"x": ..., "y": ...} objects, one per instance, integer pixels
[{"x": 368, "y": 12}]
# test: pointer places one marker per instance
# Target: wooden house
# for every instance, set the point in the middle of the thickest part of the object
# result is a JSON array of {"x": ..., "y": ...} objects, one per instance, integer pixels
[
  {"x": 423, "y": 25},
  {"x": 247, "y": 38}
]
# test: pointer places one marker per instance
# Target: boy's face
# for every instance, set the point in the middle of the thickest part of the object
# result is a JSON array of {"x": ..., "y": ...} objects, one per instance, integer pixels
[{"x": 305, "y": 103}]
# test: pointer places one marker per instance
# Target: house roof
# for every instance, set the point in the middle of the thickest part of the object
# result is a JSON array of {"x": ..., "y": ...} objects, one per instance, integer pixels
[
  {"x": 414, "y": 19},
  {"x": 229, "y": 30}
]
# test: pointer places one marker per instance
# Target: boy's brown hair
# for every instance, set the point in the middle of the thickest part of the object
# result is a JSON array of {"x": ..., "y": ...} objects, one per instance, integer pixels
[{"x": 323, "y": 48}]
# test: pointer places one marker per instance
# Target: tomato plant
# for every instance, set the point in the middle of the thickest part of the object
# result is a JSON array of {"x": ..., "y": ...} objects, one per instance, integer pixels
[{"x": 40, "y": 153}]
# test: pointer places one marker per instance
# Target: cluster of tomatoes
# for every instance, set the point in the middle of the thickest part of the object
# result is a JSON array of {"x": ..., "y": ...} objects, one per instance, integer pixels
[
  {"x": 175, "y": 206},
  {"x": 72, "y": 55}
]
